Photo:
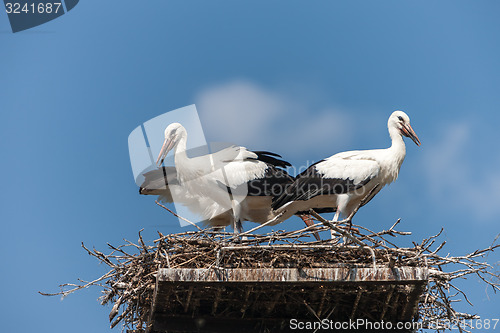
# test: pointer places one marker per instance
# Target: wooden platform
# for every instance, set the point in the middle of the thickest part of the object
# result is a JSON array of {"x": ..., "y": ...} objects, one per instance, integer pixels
[{"x": 265, "y": 300}]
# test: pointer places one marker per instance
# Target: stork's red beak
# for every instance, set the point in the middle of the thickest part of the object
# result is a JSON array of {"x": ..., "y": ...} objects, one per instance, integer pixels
[
  {"x": 408, "y": 131},
  {"x": 167, "y": 146}
]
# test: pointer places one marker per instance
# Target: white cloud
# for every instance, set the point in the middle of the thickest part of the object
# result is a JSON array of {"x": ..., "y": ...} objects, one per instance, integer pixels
[
  {"x": 246, "y": 114},
  {"x": 458, "y": 178},
  {"x": 238, "y": 110}
]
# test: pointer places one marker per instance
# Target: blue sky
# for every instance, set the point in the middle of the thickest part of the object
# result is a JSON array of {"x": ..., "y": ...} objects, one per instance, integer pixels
[{"x": 306, "y": 80}]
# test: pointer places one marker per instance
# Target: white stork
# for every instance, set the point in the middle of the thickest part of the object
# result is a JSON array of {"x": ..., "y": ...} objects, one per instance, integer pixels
[
  {"x": 343, "y": 180},
  {"x": 226, "y": 187}
]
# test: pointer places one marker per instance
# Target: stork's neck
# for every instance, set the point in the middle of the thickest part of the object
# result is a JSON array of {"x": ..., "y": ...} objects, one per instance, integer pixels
[
  {"x": 180, "y": 155},
  {"x": 397, "y": 151},
  {"x": 189, "y": 170}
]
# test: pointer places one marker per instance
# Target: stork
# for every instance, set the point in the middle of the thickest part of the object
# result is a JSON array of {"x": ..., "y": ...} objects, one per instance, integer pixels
[
  {"x": 232, "y": 185},
  {"x": 346, "y": 180}
]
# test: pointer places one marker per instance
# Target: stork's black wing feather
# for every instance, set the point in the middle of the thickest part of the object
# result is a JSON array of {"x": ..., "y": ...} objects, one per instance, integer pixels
[
  {"x": 271, "y": 159},
  {"x": 272, "y": 184},
  {"x": 311, "y": 183}
]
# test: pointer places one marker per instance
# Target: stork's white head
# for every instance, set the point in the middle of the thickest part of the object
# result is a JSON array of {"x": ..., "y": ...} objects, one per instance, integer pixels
[
  {"x": 400, "y": 121},
  {"x": 173, "y": 133}
]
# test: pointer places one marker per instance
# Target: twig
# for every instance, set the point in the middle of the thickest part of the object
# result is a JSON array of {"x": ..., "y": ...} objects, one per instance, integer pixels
[{"x": 178, "y": 216}]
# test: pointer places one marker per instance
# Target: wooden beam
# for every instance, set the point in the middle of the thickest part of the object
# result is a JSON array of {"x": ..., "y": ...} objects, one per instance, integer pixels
[
  {"x": 322, "y": 302},
  {"x": 356, "y": 302},
  {"x": 245, "y": 302},
  {"x": 339, "y": 274},
  {"x": 387, "y": 302},
  {"x": 412, "y": 301},
  {"x": 273, "y": 303},
  {"x": 188, "y": 299},
  {"x": 216, "y": 301}
]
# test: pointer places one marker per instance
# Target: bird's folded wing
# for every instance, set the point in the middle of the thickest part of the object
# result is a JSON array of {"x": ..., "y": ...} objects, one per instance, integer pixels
[
  {"x": 236, "y": 166},
  {"x": 331, "y": 176},
  {"x": 158, "y": 180},
  {"x": 356, "y": 168}
]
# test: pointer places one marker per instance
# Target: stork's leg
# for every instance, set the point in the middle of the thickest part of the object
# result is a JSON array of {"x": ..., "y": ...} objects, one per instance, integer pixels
[
  {"x": 237, "y": 225},
  {"x": 335, "y": 219},
  {"x": 236, "y": 217},
  {"x": 309, "y": 222},
  {"x": 238, "y": 229}
]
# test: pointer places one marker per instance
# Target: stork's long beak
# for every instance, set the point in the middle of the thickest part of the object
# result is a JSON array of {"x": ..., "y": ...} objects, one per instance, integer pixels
[
  {"x": 409, "y": 132},
  {"x": 167, "y": 146}
]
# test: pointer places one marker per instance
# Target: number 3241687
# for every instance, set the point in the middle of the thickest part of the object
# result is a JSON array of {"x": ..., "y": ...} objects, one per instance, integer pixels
[{"x": 39, "y": 8}]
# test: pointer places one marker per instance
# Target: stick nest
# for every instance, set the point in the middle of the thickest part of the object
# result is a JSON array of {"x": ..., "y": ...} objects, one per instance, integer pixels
[{"x": 129, "y": 284}]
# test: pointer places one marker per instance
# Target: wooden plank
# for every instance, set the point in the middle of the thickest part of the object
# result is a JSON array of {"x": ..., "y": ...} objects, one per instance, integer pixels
[
  {"x": 266, "y": 297},
  {"x": 278, "y": 275}
]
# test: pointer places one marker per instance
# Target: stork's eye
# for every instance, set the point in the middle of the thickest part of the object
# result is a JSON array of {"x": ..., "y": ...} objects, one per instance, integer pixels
[{"x": 400, "y": 118}]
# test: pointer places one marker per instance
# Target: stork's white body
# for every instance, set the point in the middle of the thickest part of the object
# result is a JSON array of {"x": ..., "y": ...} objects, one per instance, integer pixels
[
  {"x": 216, "y": 186},
  {"x": 346, "y": 178}
]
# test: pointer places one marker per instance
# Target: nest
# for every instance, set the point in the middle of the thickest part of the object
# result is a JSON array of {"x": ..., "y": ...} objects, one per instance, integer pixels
[{"x": 130, "y": 282}]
